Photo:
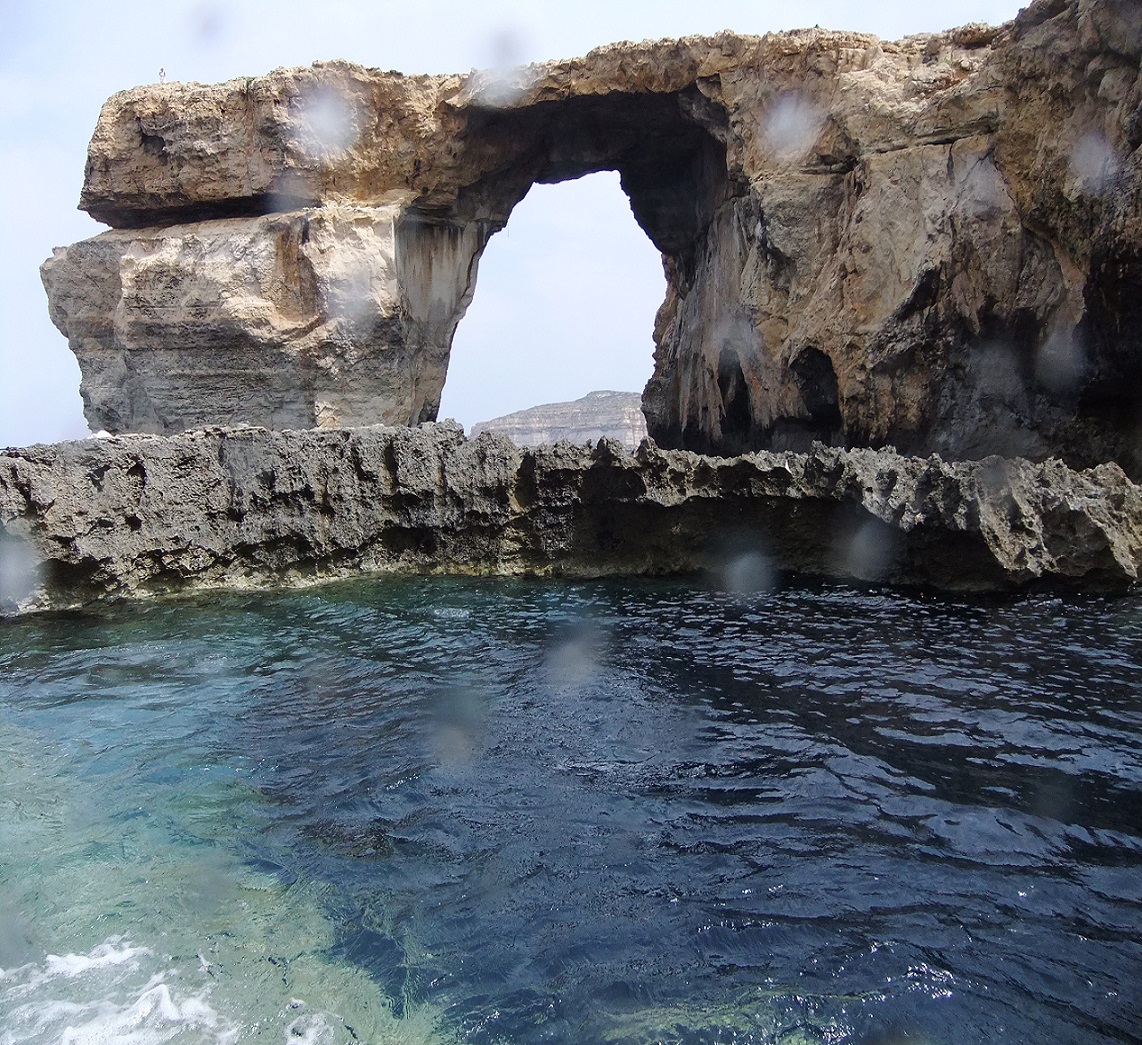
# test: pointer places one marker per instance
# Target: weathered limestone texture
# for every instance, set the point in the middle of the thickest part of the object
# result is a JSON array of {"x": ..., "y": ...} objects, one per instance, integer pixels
[
  {"x": 934, "y": 243},
  {"x": 326, "y": 316},
  {"x": 597, "y": 415},
  {"x": 138, "y": 515}
]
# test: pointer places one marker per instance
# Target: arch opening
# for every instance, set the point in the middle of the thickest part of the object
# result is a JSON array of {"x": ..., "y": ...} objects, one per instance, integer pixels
[
  {"x": 671, "y": 166},
  {"x": 565, "y": 306}
]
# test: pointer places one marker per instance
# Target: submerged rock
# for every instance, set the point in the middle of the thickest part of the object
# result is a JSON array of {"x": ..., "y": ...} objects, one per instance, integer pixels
[
  {"x": 139, "y": 515},
  {"x": 933, "y": 243}
]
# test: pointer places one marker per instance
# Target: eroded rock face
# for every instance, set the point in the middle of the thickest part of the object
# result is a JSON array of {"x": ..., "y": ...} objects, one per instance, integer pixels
[
  {"x": 332, "y": 315},
  {"x": 935, "y": 243},
  {"x": 140, "y": 515}
]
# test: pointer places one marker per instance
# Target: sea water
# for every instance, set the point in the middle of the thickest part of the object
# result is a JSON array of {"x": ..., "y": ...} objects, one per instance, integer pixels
[{"x": 434, "y": 810}]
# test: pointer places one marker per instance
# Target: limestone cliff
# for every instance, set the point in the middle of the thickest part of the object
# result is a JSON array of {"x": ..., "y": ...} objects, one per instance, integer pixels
[
  {"x": 934, "y": 243},
  {"x": 141, "y": 515},
  {"x": 597, "y": 415}
]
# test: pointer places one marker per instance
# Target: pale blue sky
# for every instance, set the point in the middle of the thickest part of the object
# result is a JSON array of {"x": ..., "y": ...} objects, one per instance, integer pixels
[{"x": 566, "y": 295}]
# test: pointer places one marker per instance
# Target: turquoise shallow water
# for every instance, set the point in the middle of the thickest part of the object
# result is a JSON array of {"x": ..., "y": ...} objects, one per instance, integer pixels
[{"x": 419, "y": 810}]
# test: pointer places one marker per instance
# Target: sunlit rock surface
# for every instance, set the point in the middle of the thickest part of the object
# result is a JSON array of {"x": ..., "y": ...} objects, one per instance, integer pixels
[
  {"x": 138, "y": 515},
  {"x": 326, "y": 316},
  {"x": 597, "y": 415},
  {"x": 934, "y": 243}
]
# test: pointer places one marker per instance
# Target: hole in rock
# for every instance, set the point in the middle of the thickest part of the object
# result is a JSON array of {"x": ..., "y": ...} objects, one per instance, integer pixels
[{"x": 564, "y": 305}]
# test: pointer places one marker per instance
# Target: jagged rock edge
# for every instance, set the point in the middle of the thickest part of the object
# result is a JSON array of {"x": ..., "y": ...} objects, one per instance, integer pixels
[{"x": 249, "y": 508}]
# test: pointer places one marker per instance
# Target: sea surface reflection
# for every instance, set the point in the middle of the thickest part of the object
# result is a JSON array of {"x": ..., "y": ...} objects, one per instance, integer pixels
[{"x": 626, "y": 811}]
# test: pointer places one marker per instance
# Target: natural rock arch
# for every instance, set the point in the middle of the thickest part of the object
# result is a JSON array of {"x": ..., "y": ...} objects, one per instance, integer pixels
[
  {"x": 671, "y": 168},
  {"x": 933, "y": 243}
]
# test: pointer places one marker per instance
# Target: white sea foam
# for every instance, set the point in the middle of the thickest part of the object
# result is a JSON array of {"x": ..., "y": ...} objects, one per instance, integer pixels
[
  {"x": 201, "y": 962},
  {"x": 116, "y": 994},
  {"x": 112, "y": 952}
]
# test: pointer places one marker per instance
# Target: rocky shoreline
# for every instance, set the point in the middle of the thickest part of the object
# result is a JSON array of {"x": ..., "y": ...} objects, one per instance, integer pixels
[
  {"x": 139, "y": 515},
  {"x": 933, "y": 244}
]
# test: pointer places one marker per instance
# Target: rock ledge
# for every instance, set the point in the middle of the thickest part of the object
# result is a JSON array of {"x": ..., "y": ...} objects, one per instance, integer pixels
[{"x": 137, "y": 515}]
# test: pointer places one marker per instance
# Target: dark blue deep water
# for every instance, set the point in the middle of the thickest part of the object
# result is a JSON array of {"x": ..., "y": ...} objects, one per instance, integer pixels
[{"x": 518, "y": 812}]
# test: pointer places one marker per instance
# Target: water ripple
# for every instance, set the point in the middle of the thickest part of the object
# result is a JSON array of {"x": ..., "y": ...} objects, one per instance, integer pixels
[{"x": 639, "y": 811}]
